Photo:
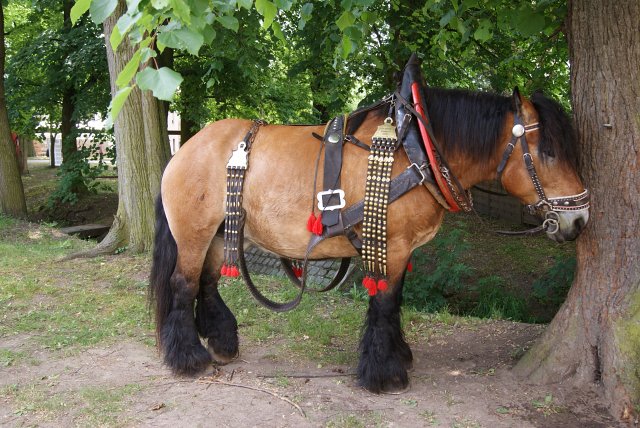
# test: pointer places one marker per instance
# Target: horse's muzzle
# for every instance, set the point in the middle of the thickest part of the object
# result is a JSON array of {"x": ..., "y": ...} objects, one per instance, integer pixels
[{"x": 570, "y": 224}]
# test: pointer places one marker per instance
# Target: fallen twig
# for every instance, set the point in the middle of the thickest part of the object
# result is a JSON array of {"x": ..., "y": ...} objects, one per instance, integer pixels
[
  {"x": 210, "y": 380},
  {"x": 303, "y": 375}
]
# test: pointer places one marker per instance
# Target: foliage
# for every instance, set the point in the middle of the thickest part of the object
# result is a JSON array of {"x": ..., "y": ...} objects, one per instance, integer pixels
[
  {"x": 553, "y": 286},
  {"x": 81, "y": 170},
  {"x": 472, "y": 272},
  {"x": 493, "y": 301},
  {"x": 430, "y": 292}
]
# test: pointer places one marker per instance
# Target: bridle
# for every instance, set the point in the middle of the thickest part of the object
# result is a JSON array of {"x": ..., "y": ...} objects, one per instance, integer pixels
[{"x": 547, "y": 206}]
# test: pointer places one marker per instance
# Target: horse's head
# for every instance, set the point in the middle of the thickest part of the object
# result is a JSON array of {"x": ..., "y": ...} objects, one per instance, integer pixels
[{"x": 539, "y": 166}]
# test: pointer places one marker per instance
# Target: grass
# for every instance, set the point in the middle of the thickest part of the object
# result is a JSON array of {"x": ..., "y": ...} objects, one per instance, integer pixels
[{"x": 67, "y": 305}]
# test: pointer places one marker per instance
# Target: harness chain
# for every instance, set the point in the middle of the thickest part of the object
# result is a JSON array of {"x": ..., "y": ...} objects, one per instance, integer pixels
[
  {"x": 376, "y": 201},
  {"x": 236, "y": 169}
]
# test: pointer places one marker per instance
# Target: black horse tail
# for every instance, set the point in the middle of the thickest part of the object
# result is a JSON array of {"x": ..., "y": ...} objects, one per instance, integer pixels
[{"x": 165, "y": 254}]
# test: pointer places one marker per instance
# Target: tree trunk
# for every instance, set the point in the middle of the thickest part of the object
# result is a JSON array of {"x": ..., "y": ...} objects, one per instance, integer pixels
[
  {"x": 595, "y": 337},
  {"x": 12, "y": 200},
  {"x": 142, "y": 147},
  {"x": 67, "y": 122}
]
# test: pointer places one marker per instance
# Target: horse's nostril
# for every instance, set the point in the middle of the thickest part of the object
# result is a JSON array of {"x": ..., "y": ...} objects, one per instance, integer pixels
[{"x": 579, "y": 224}]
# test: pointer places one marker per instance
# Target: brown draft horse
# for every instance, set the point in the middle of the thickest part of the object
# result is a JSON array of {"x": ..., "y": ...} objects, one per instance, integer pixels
[{"x": 474, "y": 129}]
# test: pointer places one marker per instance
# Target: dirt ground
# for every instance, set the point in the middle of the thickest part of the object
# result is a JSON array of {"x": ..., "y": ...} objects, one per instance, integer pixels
[{"x": 459, "y": 379}]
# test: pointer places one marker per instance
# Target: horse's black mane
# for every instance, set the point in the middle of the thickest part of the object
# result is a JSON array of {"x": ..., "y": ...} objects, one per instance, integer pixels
[{"x": 471, "y": 122}]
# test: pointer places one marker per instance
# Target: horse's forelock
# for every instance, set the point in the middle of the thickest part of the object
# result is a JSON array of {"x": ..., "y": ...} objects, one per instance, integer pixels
[{"x": 558, "y": 137}]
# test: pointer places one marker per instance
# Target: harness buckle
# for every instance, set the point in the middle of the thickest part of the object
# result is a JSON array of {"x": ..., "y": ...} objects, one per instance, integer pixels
[
  {"x": 420, "y": 171},
  {"x": 321, "y": 201}
]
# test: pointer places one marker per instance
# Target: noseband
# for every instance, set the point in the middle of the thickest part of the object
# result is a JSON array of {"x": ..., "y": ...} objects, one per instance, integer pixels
[{"x": 547, "y": 206}]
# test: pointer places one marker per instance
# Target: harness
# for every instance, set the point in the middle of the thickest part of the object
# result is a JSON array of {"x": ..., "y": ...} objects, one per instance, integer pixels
[{"x": 427, "y": 167}]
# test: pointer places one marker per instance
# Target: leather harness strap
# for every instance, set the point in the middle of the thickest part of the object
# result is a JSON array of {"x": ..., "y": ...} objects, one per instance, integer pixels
[{"x": 331, "y": 199}]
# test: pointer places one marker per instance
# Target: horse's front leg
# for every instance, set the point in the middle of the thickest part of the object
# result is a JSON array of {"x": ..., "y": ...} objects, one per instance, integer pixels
[{"x": 385, "y": 356}]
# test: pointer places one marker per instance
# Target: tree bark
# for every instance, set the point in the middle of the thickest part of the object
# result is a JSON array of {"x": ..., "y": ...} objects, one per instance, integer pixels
[
  {"x": 68, "y": 123},
  {"x": 12, "y": 201},
  {"x": 595, "y": 337},
  {"x": 142, "y": 147}
]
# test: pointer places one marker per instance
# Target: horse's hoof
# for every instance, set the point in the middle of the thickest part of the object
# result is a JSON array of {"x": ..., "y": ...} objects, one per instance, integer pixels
[
  {"x": 220, "y": 359},
  {"x": 400, "y": 391},
  {"x": 190, "y": 363}
]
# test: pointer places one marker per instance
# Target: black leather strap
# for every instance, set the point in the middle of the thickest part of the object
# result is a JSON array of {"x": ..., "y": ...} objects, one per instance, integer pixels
[
  {"x": 333, "y": 142},
  {"x": 341, "y": 274}
]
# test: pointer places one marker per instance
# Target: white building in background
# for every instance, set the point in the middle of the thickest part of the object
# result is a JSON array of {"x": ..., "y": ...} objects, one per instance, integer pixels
[{"x": 97, "y": 124}]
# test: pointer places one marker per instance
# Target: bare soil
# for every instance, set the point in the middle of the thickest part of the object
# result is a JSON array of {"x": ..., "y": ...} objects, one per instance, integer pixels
[{"x": 461, "y": 378}]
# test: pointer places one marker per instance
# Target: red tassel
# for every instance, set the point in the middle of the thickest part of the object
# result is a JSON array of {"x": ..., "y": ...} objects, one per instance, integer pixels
[
  {"x": 370, "y": 284},
  {"x": 234, "y": 272},
  {"x": 317, "y": 226},
  {"x": 409, "y": 267},
  {"x": 311, "y": 221},
  {"x": 297, "y": 271},
  {"x": 224, "y": 271},
  {"x": 383, "y": 285}
]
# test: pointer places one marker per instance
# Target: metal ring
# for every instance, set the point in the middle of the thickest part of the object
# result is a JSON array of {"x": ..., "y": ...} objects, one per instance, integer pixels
[{"x": 550, "y": 223}]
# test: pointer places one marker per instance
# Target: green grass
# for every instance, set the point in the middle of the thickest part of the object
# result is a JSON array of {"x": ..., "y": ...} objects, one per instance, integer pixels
[
  {"x": 94, "y": 406},
  {"x": 67, "y": 304}
]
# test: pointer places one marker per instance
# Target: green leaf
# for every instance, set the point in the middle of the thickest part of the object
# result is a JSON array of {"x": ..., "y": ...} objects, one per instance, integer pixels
[
  {"x": 268, "y": 10},
  {"x": 346, "y": 20},
  {"x": 118, "y": 101},
  {"x": 159, "y": 4},
  {"x": 528, "y": 22},
  {"x": 115, "y": 38},
  {"x": 79, "y": 9},
  {"x": 229, "y": 22},
  {"x": 446, "y": 18},
  {"x": 245, "y": 3},
  {"x": 277, "y": 31},
  {"x": 347, "y": 46},
  {"x": 101, "y": 9},
  {"x": 162, "y": 82},
  {"x": 483, "y": 32},
  {"x": 181, "y": 10},
  {"x": 182, "y": 38},
  {"x": 129, "y": 70}
]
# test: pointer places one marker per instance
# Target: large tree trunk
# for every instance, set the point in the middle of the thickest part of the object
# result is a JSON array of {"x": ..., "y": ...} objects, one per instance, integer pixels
[
  {"x": 142, "y": 147},
  {"x": 595, "y": 337},
  {"x": 12, "y": 200}
]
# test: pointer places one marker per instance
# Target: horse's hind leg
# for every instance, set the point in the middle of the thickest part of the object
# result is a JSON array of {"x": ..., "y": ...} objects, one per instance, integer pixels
[
  {"x": 385, "y": 356},
  {"x": 214, "y": 320},
  {"x": 174, "y": 285}
]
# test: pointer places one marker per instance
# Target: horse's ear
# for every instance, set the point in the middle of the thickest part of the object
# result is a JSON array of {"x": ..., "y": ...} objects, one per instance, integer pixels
[{"x": 516, "y": 100}]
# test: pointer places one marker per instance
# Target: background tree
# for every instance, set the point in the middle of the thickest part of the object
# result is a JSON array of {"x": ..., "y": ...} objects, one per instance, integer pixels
[{"x": 12, "y": 201}]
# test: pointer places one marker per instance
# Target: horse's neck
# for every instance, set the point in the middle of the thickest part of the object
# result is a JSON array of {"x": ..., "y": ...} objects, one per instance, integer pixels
[{"x": 471, "y": 172}]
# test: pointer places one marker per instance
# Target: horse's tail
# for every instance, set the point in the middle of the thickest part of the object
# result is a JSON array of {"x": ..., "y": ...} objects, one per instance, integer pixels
[{"x": 165, "y": 254}]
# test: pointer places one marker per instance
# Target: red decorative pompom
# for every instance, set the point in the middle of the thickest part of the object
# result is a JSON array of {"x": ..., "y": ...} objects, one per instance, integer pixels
[
  {"x": 297, "y": 271},
  {"x": 370, "y": 284},
  {"x": 234, "y": 273},
  {"x": 317, "y": 226},
  {"x": 383, "y": 284},
  {"x": 224, "y": 271},
  {"x": 311, "y": 221},
  {"x": 409, "y": 267}
]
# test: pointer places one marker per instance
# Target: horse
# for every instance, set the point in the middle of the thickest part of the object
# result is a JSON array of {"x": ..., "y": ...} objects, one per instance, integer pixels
[{"x": 476, "y": 134}]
